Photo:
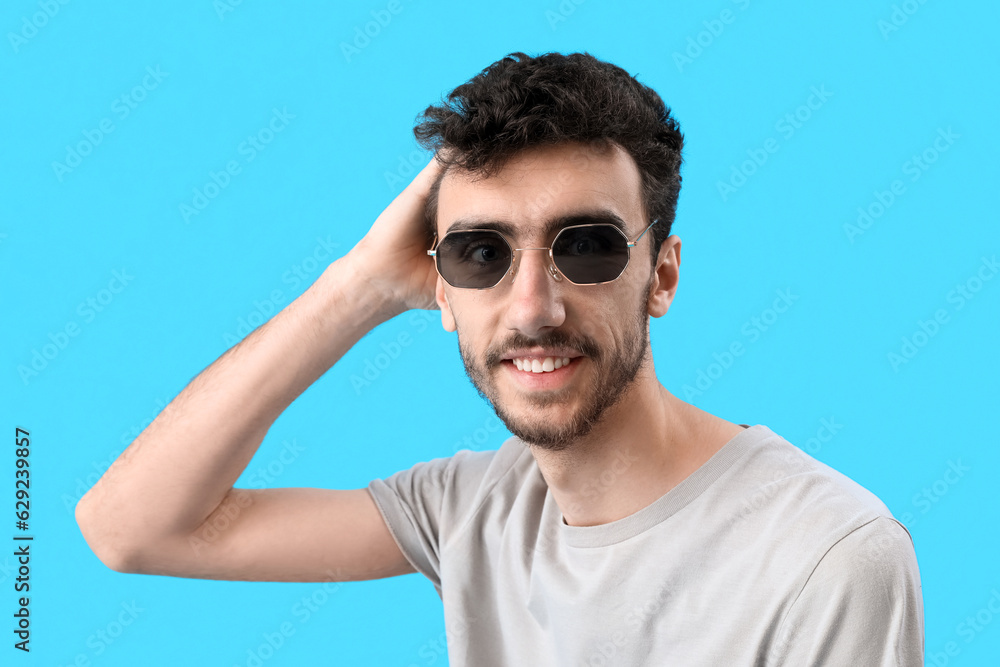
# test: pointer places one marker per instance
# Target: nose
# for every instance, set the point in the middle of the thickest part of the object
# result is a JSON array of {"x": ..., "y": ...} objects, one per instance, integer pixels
[{"x": 535, "y": 300}]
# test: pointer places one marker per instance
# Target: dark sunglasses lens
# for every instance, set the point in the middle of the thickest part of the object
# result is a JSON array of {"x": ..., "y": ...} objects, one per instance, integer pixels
[
  {"x": 591, "y": 254},
  {"x": 473, "y": 259}
]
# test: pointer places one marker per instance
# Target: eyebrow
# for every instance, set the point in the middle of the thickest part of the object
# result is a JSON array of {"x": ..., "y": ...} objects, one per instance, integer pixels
[{"x": 589, "y": 217}]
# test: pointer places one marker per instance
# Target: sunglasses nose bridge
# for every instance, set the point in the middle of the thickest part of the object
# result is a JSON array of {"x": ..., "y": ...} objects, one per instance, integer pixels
[{"x": 515, "y": 262}]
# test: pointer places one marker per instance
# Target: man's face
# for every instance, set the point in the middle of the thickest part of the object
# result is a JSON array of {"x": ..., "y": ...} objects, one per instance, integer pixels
[{"x": 536, "y": 321}]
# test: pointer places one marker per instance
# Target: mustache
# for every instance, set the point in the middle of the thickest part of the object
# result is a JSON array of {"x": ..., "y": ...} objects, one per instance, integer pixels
[{"x": 586, "y": 345}]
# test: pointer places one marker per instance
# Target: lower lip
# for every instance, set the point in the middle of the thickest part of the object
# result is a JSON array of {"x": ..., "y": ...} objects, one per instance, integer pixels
[{"x": 551, "y": 380}]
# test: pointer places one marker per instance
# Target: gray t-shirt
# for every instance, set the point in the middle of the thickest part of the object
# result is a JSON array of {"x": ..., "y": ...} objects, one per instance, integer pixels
[{"x": 762, "y": 556}]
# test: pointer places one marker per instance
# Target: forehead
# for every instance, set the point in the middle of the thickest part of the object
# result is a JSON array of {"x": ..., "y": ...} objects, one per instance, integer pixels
[{"x": 542, "y": 189}]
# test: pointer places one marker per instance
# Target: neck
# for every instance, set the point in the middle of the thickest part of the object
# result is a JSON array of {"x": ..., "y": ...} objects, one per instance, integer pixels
[{"x": 645, "y": 445}]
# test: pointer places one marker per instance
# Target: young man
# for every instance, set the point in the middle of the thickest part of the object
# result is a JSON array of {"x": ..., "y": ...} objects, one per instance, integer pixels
[{"x": 620, "y": 525}]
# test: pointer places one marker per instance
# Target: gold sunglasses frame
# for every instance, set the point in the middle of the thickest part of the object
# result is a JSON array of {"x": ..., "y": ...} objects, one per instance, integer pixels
[{"x": 554, "y": 270}]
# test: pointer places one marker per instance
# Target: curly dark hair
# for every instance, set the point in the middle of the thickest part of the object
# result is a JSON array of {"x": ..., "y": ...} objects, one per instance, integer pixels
[{"x": 521, "y": 101}]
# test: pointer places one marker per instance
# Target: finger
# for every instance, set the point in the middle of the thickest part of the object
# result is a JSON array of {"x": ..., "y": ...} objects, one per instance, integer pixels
[
  {"x": 414, "y": 196},
  {"x": 423, "y": 181}
]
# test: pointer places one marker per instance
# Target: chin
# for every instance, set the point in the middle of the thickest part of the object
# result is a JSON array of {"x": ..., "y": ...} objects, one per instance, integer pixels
[{"x": 550, "y": 432}]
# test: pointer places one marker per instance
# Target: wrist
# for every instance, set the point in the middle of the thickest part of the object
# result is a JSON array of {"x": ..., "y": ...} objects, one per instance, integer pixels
[{"x": 349, "y": 283}]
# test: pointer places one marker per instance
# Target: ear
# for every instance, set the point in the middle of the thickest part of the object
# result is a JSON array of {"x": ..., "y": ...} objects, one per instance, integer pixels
[
  {"x": 447, "y": 316},
  {"x": 665, "y": 278}
]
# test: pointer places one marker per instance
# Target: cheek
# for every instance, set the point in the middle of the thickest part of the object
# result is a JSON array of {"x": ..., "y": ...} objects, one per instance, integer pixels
[
  {"x": 598, "y": 322},
  {"x": 474, "y": 321},
  {"x": 610, "y": 321}
]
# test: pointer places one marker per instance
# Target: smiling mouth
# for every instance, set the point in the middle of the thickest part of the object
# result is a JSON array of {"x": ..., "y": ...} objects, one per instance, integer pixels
[{"x": 540, "y": 365}]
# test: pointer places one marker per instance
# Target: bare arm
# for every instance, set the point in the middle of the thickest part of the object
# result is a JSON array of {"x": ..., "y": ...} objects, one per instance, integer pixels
[{"x": 159, "y": 507}]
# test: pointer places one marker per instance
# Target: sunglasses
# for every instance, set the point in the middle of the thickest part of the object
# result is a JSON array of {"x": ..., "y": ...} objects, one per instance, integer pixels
[{"x": 584, "y": 254}]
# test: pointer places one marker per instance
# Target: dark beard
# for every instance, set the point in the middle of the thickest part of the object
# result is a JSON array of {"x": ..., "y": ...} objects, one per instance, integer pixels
[{"x": 614, "y": 375}]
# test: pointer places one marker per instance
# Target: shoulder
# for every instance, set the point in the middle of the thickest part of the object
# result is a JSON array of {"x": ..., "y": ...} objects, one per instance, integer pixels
[
  {"x": 777, "y": 477},
  {"x": 861, "y": 604},
  {"x": 484, "y": 469},
  {"x": 875, "y": 552},
  {"x": 808, "y": 515},
  {"x": 453, "y": 487},
  {"x": 853, "y": 592},
  {"x": 431, "y": 503}
]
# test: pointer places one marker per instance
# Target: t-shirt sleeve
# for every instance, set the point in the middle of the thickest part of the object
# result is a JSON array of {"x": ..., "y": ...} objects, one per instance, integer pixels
[
  {"x": 862, "y": 604},
  {"x": 425, "y": 504}
]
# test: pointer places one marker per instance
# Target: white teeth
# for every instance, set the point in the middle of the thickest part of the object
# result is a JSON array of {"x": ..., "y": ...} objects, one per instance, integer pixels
[{"x": 546, "y": 365}]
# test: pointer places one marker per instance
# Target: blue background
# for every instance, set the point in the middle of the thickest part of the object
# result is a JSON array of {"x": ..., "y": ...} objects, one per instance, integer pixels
[{"x": 346, "y": 149}]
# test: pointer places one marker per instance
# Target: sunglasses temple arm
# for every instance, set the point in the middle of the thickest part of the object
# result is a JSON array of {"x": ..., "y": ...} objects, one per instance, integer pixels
[{"x": 632, "y": 244}]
